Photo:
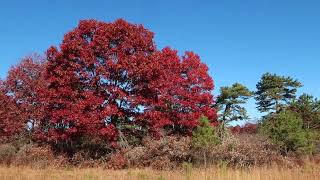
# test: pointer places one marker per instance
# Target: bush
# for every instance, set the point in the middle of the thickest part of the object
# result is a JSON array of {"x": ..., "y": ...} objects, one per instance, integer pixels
[
  {"x": 117, "y": 161},
  {"x": 38, "y": 157},
  {"x": 7, "y": 153},
  {"x": 164, "y": 154},
  {"x": 286, "y": 130},
  {"x": 242, "y": 151}
]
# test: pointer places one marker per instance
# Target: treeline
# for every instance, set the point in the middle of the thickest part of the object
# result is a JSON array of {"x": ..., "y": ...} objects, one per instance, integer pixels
[
  {"x": 108, "y": 97},
  {"x": 289, "y": 121}
]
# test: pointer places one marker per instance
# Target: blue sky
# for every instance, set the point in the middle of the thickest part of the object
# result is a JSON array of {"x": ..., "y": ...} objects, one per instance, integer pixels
[{"x": 239, "y": 40}]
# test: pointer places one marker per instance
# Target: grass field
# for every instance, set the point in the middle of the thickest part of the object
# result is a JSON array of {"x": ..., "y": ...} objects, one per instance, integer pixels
[{"x": 306, "y": 173}]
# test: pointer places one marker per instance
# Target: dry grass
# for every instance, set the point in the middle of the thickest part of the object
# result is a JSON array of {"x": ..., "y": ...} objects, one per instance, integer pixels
[{"x": 307, "y": 173}]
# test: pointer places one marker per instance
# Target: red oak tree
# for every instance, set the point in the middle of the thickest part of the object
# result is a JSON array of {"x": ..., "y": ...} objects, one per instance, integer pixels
[
  {"x": 98, "y": 79},
  {"x": 24, "y": 83},
  {"x": 107, "y": 77}
]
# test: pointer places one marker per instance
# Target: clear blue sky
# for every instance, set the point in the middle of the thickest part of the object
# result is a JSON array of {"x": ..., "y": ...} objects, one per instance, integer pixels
[{"x": 238, "y": 39}]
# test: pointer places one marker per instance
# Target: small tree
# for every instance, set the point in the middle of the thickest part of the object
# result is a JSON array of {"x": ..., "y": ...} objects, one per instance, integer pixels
[
  {"x": 286, "y": 130},
  {"x": 229, "y": 103},
  {"x": 273, "y": 92},
  {"x": 204, "y": 137},
  {"x": 308, "y": 108}
]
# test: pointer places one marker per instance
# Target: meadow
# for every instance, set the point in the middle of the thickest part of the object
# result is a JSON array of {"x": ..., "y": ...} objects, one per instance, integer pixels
[{"x": 309, "y": 172}]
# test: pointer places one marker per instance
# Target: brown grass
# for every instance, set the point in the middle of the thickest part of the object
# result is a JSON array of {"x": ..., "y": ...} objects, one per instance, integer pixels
[{"x": 310, "y": 172}]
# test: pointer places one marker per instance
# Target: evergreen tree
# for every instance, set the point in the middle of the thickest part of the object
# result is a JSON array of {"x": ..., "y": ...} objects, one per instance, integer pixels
[
  {"x": 230, "y": 102},
  {"x": 274, "y": 92},
  {"x": 308, "y": 108}
]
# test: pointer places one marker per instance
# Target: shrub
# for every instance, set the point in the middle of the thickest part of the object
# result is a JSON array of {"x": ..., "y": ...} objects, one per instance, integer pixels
[
  {"x": 117, "y": 161},
  {"x": 90, "y": 148},
  {"x": 166, "y": 153},
  {"x": 7, "y": 153},
  {"x": 38, "y": 157},
  {"x": 241, "y": 151},
  {"x": 162, "y": 163},
  {"x": 286, "y": 130}
]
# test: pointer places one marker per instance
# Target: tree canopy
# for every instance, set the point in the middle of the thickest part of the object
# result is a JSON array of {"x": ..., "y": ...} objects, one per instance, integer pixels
[
  {"x": 308, "y": 108},
  {"x": 230, "y": 102},
  {"x": 274, "y": 91},
  {"x": 108, "y": 79},
  {"x": 24, "y": 84}
]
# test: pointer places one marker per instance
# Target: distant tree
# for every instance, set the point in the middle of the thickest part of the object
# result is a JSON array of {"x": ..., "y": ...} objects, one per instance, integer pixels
[
  {"x": 248, "y": 128},
  {"x": 308, "y": 108},
  {"x": 273, "y": 92},
  {"x": 24, "y": 84},
  {"x": 229, "y": 103}
]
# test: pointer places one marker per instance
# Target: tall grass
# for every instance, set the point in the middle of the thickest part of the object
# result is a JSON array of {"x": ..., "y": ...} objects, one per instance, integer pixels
[{"x": 309, "y": 172}]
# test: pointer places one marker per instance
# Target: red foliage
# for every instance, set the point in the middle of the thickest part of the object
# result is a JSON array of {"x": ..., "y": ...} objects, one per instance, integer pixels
[
  {"x": 10, "y": 119},
  {"x": 184, "y": 93},
  {"x": 248, "y": 128},
  {"x": 97, "y": 79},
  {"x": 107, "y": 77},
  {"x": 23, "y": 84}
]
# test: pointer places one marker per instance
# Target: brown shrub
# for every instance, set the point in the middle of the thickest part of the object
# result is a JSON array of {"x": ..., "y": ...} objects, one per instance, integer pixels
[
  {"x": 165, "y": 153},
  {"x": 117, "y": 161},
  {"x": 78, "y": 158},
  {"x": 316, "y": 159},
  {"x": 244, "y": 151},
  {"x": 7, "y": 153},
  {"x": 135, "y": 156},
  {"x": 236, "y": 151},
  {"x": 162, "y": 163},
  {"x": 38, "y": 157},
  {"x": 82, "y": 159}
]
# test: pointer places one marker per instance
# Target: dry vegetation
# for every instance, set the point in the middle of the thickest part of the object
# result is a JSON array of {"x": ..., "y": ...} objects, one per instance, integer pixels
[
  {"x": 309, "y": 172},
  {"x": 249, "y": 157}
]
